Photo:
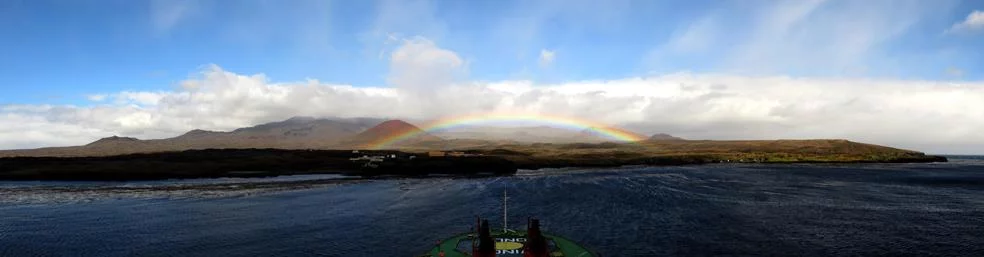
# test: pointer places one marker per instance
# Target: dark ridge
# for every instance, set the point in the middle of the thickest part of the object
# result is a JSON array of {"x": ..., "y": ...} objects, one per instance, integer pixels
[
  {"x": 113, "y": 139},
  {"x": 665, "y": 137},
  {"x": 199, "y": 132},
  {"x": 391, "y": 128}
]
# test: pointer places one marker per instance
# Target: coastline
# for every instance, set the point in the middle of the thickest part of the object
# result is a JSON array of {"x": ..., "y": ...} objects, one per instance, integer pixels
[
  {"x": 216, "y": 163},
  {"x": 695, "y": 159}
]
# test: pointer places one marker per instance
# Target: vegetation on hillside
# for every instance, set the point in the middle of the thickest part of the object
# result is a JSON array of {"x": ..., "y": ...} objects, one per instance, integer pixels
[{"x": 689, "y": 152}]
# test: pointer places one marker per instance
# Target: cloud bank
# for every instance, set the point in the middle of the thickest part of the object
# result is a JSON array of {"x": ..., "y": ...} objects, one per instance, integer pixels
[{"x": 427, "y": 81}]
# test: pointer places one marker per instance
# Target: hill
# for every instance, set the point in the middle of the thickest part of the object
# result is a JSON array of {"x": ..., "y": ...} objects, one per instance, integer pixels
[
  {"x": 231, "y": 153},
  {"x": 588, "y": 148},
  {"x": 503, "y": 159},
  {"x": 663, "y": 136},
  {"x": 531, "y": 156},
  {"x": 293, "y": 133},
  {"x": 391, "y": 129}
]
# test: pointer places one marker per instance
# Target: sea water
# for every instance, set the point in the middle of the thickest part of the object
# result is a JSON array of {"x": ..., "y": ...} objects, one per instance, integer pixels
[{"x": 726, "y": 209}]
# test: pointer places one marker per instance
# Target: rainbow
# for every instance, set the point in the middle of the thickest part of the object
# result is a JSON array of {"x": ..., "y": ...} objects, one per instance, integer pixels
[{"x": 486, "y": 118}]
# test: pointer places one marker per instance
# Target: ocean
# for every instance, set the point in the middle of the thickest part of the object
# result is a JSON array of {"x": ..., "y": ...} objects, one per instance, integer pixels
[{"x": 931, "y": 209}]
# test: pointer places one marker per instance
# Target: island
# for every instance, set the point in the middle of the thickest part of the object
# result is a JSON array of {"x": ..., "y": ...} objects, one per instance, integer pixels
[
  {"x": 303, "y": 145},
  {"x": 416, "y": 162}
]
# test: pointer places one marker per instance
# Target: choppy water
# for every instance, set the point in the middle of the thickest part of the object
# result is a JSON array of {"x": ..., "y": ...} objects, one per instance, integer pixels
[{"x": 785, "y": 210}]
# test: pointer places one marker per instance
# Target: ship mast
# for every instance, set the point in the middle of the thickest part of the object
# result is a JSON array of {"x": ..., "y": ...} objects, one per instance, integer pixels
[{"x": 504, "y": 210}]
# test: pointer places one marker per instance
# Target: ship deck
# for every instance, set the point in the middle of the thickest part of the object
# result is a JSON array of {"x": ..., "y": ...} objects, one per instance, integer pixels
[{"x": 508, "y": 244}]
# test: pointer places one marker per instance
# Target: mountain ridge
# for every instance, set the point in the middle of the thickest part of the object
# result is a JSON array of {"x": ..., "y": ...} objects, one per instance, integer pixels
[
  {"x": 293, "y": 133},
  {"x": 357, "y": 133}
]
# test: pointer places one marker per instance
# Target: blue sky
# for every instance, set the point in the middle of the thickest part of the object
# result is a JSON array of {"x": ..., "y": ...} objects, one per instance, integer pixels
[
  {"x": 905, "y": 73},
  {"x": 60, "y": 51}
]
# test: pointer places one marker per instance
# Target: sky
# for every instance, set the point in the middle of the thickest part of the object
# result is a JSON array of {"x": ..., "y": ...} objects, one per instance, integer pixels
[{"x": 904, "y": 73}]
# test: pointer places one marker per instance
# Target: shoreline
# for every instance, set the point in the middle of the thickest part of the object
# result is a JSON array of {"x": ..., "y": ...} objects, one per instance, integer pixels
[
  {"x": 246, "y": 163},
  {"x": 690, "y": 160}
]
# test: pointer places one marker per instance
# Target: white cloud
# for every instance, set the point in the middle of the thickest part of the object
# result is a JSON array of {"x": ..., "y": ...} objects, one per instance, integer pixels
[
  {"x": 547, "y": 58},
  {"x": 930, "y": 115},
  {"x": 925, "y": 115},
  {"x": 419, "y": 66},
  {"x": 35, "y": 130},
  {"x": 973, "y": 22},
  {"x": 140, "y": 98}
]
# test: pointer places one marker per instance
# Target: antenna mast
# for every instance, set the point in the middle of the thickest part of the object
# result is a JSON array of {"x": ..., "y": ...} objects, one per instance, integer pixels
[{"x": 505, "y": 208}]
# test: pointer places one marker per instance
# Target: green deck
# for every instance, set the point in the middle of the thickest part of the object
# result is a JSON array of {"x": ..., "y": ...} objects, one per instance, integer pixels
[{"x": 560, "y": 247}]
